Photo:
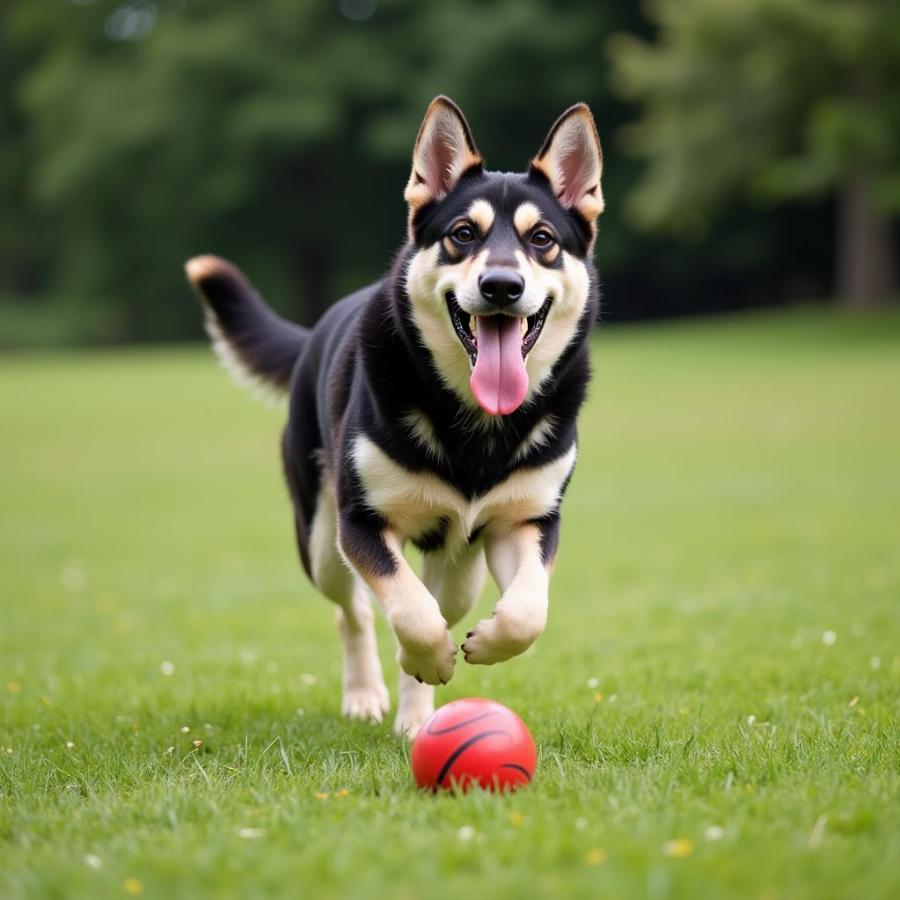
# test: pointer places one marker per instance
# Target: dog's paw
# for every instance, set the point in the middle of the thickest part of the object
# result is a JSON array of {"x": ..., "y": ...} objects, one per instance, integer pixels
[
  {"x": 431, "y": 663},
  {"x": 415, "y": 704},
  {"x": 496, "y": 640},
  {"x": 410, "y": 719},
  {"x": 367, "y": 702}
]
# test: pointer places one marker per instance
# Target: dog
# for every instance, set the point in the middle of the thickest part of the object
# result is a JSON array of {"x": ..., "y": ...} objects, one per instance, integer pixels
[{"x": 437, "y": 406}]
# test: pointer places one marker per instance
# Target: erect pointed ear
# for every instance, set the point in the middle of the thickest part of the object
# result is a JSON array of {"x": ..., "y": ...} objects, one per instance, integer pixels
[
  {"x": 572, "y": 162},
  {"x": 444, "y": 150}
]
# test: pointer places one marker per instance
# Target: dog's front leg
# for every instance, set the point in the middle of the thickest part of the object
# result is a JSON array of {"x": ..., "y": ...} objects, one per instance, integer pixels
[
  {"x": 425, "y": 647},
  {"x": 520, "y": 563}
]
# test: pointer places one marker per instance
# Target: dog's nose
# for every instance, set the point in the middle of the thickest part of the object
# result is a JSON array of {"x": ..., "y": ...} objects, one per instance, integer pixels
[{"x": 501, "y": 286}]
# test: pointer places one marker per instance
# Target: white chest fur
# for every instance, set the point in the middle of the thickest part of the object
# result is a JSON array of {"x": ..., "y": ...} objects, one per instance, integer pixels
[{"x": 413, "y": 502}]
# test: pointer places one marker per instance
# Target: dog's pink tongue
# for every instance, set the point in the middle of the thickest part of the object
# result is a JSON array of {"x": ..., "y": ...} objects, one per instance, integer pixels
[{"x": 499, "y": 380}]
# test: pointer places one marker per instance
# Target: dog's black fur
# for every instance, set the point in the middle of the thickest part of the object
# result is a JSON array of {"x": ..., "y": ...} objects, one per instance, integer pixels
[{"x": 364, "y": 367}]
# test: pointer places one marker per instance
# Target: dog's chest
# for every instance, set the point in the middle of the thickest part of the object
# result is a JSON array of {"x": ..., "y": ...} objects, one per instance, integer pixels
[{"x": 417, "y": 503}]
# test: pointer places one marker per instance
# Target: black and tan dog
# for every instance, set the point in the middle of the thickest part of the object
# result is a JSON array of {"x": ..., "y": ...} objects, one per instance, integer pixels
[{"x": 437, "y": 406}]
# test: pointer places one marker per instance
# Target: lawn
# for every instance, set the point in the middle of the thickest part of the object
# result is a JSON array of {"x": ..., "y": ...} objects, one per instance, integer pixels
[{"x": 715, "y": 699}]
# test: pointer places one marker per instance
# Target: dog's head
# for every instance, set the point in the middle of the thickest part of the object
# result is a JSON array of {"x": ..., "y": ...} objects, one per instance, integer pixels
[{"x": 500, "y": 273}]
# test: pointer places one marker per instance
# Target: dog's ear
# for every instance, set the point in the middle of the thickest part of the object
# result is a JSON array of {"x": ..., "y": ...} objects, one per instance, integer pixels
[
  {"x": 444, "y": 150},
  {"x": 571, "y": 160}
]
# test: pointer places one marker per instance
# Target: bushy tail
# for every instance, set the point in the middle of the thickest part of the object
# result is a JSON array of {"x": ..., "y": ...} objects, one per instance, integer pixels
[{"x": 257, "y": 346}]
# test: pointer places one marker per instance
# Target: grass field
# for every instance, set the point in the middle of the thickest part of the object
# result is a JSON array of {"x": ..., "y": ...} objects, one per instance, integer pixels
[{"x": 715, "y": 698}]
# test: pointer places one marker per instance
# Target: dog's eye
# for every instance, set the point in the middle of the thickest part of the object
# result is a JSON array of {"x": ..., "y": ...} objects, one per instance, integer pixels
[
  {"x": 463, "y": 234},
  {"x": 542, "y": 238}
]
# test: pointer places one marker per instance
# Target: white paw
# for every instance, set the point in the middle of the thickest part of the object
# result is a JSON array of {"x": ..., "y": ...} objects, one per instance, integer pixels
[
  {"x": 432, "y": 663},
  {"x": 367, "y": 702},
  {"x": 496, "y": 640},
  {"x": 410, "y": 719},
  {"x": 415, "y": 704}
]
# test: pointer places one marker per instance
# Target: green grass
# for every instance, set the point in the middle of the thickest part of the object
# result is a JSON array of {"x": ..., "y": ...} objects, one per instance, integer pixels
[{"x": 736, "y": 500}]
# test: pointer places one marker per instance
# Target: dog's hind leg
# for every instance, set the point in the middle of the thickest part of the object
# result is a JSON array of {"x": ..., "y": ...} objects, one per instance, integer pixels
[
  {"x": 365, "y": 695},
  {"x": 415, "y": 703},
  {"x": 456, "y": 581}
]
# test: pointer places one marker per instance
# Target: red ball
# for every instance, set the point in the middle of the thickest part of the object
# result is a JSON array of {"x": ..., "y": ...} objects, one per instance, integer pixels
[{"x": 473, "y": 742}]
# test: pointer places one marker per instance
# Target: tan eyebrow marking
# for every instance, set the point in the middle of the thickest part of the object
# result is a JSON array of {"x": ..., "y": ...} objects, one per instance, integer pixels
[
  {"x": 526, "y": 217},
  {"x": 482, "y": 214}
]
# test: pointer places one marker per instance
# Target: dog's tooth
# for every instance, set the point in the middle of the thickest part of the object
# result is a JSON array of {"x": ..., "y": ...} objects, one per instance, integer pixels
[
  {"x": 523, "y": 325},
  {"x": 473, "y": 325}
]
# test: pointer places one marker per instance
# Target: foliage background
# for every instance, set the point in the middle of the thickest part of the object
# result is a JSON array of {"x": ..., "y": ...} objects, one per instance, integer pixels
[{"x": 138, "y": 133}]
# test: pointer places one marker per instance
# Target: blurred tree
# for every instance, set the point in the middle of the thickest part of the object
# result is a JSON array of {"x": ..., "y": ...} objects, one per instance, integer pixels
[
  {"x": 771, "y": 100},
  {"x": 20, "y": 252},
  {"x": 277, "y": 133}
]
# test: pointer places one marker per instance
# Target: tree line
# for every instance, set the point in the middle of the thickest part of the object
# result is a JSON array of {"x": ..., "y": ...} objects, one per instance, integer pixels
[{"x": 751, "y": 152}]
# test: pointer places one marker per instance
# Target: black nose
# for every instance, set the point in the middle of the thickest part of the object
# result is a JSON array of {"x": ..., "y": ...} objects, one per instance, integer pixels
[{"x": 501, "y": 286}]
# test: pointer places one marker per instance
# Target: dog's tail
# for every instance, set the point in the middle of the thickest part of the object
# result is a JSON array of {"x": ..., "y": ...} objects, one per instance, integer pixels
[{"x": 258, "y": 347}]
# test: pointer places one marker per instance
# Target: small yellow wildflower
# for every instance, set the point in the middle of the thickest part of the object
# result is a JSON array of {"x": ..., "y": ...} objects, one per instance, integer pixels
[
  {"x": 133, "y": 886},
  {"x": 595, "y": 857},
  {"x": 679, "y": 848}
]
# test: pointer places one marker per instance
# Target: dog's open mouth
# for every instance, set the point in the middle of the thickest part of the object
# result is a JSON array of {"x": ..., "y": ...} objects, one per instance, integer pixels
[
  {"x": 466, "y": 327},
  {"x": 497, "y": 346}
]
